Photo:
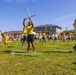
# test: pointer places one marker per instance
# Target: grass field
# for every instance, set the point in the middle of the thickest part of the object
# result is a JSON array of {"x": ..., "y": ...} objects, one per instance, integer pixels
[{"x": 56, "y": 58}]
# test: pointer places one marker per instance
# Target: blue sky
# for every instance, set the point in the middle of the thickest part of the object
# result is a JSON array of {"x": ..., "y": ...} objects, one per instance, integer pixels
[{"x": 57, "y": 12}]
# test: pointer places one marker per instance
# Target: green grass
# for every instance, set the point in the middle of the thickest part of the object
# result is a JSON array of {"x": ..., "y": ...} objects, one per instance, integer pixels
[{"x": 55, "y": 60}]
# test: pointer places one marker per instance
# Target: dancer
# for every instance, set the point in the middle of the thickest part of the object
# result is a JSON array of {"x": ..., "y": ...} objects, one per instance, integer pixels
[
  {"x": 75, "y": 29},
  {"x": 30, "y": 28},
  {"x": 24, "y": 35},
  {"x": 40, "y": 37},
  {"x": 5, "y": 38},
  {"x": 75, "y": 34},
  {"x": 0, "y": 38},
  {"x": 44, "y": 37}
]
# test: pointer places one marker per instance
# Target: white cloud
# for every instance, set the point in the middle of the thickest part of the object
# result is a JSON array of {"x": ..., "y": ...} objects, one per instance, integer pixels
[
  {"x": 7, "y": 0},
  {"x": 15, "y": 0},
  {"x": 64, "y": 17},
  {"x": 20, "y": 0}
]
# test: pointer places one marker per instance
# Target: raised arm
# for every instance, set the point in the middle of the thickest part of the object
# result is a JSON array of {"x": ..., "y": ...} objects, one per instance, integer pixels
[
  {"x": 74, "y": 22},
  {"x": 31, "y": 22},
  {"x": 24, "y": 21}
]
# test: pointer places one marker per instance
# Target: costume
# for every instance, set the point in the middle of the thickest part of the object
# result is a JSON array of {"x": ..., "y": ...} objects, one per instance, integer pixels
[
  {"x": 24, "y": 35},
  {"x": 43, "y": 36},
  {"x": 5, "y": 38},
  {"x": 30, "y": 34},
  {"x": 74, "y": 28}
]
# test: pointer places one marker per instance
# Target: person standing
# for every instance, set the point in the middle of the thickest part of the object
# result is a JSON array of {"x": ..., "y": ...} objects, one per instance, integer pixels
[
  {"x": 5, "y": 38},
  {"x": 40, "y": 37},
  {"x": 44, "y": 37},
  {"x": 74, "y": 34},
  {"x": 30, "y": 28},
  {"x": 24, "y": 35},
  {"x": 75, "y": 29},
  {"x": 64, "y": 37},
  {"x": 0, "y": 38}
]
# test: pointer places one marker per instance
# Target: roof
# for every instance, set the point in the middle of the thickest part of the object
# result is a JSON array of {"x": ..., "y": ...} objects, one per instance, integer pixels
[
  {"x": 48, "y": 25},
  {"x": 13, "y": 32}
]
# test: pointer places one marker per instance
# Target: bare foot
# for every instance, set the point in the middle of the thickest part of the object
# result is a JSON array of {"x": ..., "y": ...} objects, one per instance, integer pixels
[{"x": 34, "y": 52}]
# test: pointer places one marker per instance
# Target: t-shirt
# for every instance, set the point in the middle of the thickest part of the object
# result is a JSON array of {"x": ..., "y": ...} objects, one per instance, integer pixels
[
  {"x": 22, "y": 35},
  {"x": 29, "y": 29},
  {"x": 25, "y": 32},
  {"x": 44, "y": 35}
]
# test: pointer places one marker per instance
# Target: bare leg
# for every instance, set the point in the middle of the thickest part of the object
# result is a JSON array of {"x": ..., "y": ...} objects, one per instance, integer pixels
[
  {"x": 28, "y": 47},
  {"x": 33, "y": 46},
  {"x": 75, "y": 37},
  {"x": 22, "y": 43}
]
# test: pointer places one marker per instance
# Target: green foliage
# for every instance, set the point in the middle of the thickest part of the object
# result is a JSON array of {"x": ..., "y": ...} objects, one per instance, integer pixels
[
  {"x": 67, "y": 32},
  {"x": 48, "y": 63}
]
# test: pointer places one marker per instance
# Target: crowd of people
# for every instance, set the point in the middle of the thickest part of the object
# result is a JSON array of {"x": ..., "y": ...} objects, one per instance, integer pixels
[{"x": 28, "y": 36}]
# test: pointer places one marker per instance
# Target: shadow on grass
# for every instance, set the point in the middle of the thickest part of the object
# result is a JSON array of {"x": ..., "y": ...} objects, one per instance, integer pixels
[
  {"x": 74, "y": 63},
  {"x": 58, "y": 51},
  {"x": 62, "y": 51},
  {"x": 15, "y": 51},
  {"x": 21, "y": 52},
  {"x": 18, "y": 46},
  {"x": 10, "y": 46}
]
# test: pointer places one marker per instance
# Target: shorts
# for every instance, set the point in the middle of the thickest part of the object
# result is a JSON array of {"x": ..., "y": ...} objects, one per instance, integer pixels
[
  {"x": 75, "y": 36},
  {"x": 25, "y": 38},
  {"x": 31, "y": 38},
  {"x": 43, "y": 38}
]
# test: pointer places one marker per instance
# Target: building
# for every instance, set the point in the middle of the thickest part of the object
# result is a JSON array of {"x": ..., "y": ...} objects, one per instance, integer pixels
[
  {"x": 52, "y": 29},
  {"x": 14, "y": 32},
  {"x": 49, "y": 28}
]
